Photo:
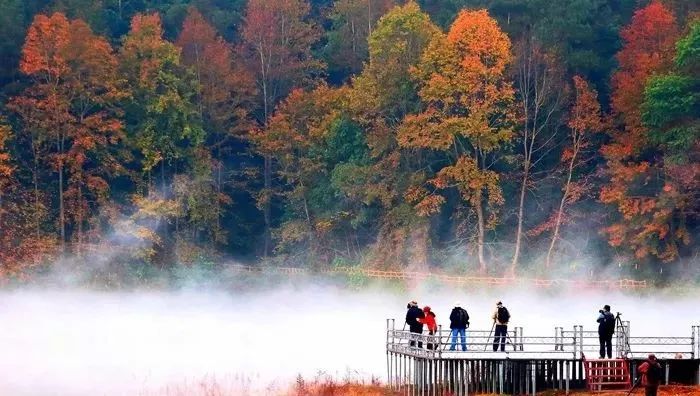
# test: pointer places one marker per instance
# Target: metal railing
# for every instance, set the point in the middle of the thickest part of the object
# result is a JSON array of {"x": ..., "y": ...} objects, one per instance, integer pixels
[{"x": 566, "y": 344}]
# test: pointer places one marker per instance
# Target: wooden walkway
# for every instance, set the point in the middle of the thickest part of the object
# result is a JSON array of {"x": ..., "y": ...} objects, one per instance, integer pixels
[{"x": 452, "y": 279}]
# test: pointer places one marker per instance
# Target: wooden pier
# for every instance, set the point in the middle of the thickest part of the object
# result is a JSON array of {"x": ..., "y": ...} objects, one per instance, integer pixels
[{"x": 530, "y": 364}]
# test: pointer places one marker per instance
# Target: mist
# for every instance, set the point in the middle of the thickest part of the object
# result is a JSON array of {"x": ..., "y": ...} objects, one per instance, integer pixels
[{"x": 147, "y": 342}]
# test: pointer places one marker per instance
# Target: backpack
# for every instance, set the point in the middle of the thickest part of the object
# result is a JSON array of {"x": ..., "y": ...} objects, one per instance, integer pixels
[
  {"x": 503, "y": 315},
  {"x": 609, "y": 322},
  {"x": 654, "y": 373},
  {"x": 462, "y": 317}
]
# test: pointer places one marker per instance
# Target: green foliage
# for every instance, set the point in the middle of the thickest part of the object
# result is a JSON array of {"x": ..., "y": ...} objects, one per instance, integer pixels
[
  {"x": 382, "y": 161},
  {"x": 162, "y": 120},
  {"x": 671, "y": 108}
]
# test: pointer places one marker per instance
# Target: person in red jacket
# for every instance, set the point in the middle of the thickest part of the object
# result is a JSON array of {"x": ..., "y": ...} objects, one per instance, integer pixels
[
  {"x": 429, "y": 321},
  {"x": 651, "y": 375}
]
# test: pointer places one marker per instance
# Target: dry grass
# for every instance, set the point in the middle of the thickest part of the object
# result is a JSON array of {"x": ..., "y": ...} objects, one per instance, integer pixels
[{"x": 324, "y": 385}]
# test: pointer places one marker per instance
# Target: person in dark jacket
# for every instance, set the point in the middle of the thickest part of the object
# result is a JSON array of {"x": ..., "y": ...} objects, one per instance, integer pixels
[
  {"x": 651, "y": 375},
  {"x": 414, "y": 317},
  {"x": 459, "y": 321},
  {"x": 500, "y": 317},
  {"x": 429, "y": 321},
  {"x": 606, "y": 329}
]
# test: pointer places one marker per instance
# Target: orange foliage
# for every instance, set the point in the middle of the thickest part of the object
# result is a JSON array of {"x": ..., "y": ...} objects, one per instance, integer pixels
[
  {"x": 485, "y": 47},
  {"x": 226, "y": 88},
  {"x": 69, "y": 109},
  {"x": 469, "y": 112}
]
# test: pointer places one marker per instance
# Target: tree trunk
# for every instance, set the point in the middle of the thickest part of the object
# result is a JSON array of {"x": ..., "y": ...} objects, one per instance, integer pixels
[
  {"x": 266, "y": 209},
  {"x": 162, "y": 177},
  {"x": 560, "y": 212},
  {"x": 521, "y": 211},
  {"x": 480, "y": 234},
  {"x": 61, "y": 208},
  {"x": 79, "y": 221},
  {"x": 35, "y": 181}
]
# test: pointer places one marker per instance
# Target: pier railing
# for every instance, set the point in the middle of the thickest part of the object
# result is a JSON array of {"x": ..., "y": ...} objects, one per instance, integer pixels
[
  {"x": 426, "y": 364},
  {"x": 566, "y": 344}
]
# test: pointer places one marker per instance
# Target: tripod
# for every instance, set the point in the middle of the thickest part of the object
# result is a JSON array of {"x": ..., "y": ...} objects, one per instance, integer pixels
[{"x": 622, "y": 335}]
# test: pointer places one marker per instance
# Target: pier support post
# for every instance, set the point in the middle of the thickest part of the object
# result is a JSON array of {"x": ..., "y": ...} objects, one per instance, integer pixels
[{"x": 568, "y": 367}]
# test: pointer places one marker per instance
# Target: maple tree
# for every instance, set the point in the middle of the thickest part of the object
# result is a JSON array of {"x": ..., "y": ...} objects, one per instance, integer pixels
[
  {"x": 468, "y": 114},
  {"x": 648, "y": 224},
  {"x": 69, "y": 109}
]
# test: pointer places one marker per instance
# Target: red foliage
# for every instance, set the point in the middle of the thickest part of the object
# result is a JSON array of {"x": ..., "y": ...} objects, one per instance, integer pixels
[{"x": 641, "y": 186}]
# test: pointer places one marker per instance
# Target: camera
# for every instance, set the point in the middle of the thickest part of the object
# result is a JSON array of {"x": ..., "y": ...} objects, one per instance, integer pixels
[{"x": 600, "y": 310}]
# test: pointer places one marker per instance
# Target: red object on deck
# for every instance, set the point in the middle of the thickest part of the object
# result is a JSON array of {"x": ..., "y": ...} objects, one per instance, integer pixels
[{"x": 607, "y": 374}]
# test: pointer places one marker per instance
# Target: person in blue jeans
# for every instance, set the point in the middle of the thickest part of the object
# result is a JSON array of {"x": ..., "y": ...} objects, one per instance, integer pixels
[{"x": 459, "y": 321}]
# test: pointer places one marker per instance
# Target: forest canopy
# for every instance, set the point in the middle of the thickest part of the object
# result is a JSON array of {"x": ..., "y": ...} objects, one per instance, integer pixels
[{"x": 465, "y": 136}]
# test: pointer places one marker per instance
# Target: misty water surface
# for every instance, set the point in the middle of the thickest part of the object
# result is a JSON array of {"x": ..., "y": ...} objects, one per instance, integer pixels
[{"x": 118, "y": 343}]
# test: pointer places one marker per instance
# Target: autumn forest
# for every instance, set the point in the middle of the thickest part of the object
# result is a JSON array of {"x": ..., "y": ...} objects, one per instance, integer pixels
[{"x": 465, "y": 136}]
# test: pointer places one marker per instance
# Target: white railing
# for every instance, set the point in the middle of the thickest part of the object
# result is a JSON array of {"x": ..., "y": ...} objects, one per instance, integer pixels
[{"x": 565, "y": 344}]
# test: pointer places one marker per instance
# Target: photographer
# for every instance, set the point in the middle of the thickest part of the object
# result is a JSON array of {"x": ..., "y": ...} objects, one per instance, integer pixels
[
  {"x": 651, "y": 372},
  {"x": 414, "y": 317},
  {"x": 606, "y": 329}
]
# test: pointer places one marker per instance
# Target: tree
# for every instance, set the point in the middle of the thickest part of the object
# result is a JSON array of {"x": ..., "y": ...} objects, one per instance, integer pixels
[
  {"x": 225, "y": 92},
  {"x": 225, "y": 87},
  {"x": 21, "y": 249},
  {"x": 670, "y": 113},
  {"x": 381, "y": 96},
  {"x": 585, "y": 119},
  {"x": 648, "y": 225},
  {"x": 468, "y": 114},
  {"x": 165, "y": 127},
  {"x": 539, "y": 94},
  {"x": 277, "y": 38},
  {"x": 69, "y": 112},
  {"x": 295, "y": 138},
  {"x": 163, "y": 122},
  {"x": 670, "y": 108},
  {"x": 649, "y": 42}
]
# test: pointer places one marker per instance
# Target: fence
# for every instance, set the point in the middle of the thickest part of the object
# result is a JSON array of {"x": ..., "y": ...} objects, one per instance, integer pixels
[
  {"x": 452, "y": 279},
  {"x": 427, "y": 364}
]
